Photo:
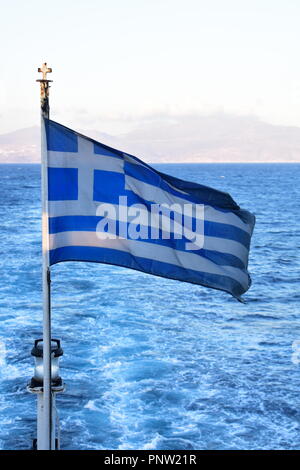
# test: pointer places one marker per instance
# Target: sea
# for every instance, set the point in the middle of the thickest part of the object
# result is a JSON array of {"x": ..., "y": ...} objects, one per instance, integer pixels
[{"x": 152, "y": 363}]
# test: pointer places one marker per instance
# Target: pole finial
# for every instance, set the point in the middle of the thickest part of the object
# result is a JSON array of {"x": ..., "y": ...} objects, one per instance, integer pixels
[
  {"x": 44, "y": 70},
  {"x": 45, "y": 85}
]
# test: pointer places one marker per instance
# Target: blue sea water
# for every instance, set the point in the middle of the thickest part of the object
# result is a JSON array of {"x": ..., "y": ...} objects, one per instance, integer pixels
[{"x": 152, "y": 363}]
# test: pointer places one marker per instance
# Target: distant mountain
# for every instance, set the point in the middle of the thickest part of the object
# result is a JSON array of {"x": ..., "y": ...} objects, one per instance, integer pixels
[
  {"x": 191, "y": 138},
  {"x": 216, "y": 138},
  {"x": 21, "y": 146}
]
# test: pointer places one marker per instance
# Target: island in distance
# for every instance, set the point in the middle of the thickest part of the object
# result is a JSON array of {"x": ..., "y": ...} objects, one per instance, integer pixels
[{"x": 216, "y": 138}]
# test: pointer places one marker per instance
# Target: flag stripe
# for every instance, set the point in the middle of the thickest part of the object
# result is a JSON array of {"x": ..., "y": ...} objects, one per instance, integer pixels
[
  {"x": 223, "y": 247},
  {"x": 69, "y": 160},
  {"x": 158, "y": 268},
  {"x": 211, "y": 229},
  {"x": 145, "y": 250},
  {"x": 224, "y": 259},
  {"x": 212, "y": 243}
]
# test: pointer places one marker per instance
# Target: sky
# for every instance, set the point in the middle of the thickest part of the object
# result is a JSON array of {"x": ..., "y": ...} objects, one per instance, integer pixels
[{"x": 119, "y": 63}]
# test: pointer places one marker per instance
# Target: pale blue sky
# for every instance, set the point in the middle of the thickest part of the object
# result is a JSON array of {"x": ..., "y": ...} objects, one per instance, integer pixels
[{"x": 115, "y": 62}]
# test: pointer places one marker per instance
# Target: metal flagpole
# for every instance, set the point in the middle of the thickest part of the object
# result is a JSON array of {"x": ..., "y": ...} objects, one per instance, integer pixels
[
  {"x": 46, "y": 434},
  {"x": 46, "y": 382}
]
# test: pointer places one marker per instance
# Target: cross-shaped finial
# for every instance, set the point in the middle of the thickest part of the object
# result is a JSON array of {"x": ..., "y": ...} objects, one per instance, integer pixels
[{"x": 44, "y": 70}]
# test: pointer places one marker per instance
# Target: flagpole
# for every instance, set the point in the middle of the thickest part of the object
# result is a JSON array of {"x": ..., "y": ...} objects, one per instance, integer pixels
[{"x": 46, "y": 434}]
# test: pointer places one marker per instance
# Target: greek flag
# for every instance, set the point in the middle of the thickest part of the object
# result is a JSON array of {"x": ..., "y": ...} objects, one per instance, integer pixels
[{"x": 107, "y": 206}]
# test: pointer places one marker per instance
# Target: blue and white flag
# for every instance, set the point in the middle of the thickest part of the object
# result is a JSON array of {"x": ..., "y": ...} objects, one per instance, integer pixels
[{"x": 107, "y": 206}]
